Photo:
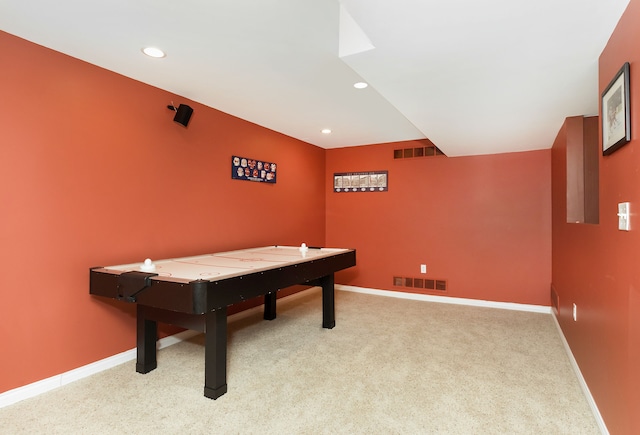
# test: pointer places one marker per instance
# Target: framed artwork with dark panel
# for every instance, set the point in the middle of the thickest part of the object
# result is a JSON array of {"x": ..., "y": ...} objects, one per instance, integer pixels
[{"x": 616, "y": 114}]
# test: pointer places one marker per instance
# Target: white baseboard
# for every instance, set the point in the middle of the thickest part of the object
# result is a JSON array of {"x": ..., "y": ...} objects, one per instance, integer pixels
[
  {"x": 31, "y": 390},
  {"x": 581, "y": 381},
  {"x": 503, "y": 305},
  {"x": 447, "y": 299}
]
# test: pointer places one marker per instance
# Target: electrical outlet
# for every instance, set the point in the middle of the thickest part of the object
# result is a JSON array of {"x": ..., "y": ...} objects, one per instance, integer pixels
[
  {"x": 575, "y": 313},
  {"x": 423, "y": 268}
]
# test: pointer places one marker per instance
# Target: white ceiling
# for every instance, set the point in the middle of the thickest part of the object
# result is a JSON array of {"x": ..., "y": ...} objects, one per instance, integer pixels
[{"x": 475, "y": 77}]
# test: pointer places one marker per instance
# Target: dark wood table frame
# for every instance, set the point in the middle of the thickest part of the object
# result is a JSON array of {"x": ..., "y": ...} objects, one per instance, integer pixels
[{"x": 202, "y": 305}]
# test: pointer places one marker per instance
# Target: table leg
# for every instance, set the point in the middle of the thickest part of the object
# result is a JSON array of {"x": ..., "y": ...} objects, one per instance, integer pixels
[
  {"x": 146, "y": 336},
  {"x": 328, "y": 302},
  {"x": 270, "y": 306},
  {"x": 215, "y": 359}
]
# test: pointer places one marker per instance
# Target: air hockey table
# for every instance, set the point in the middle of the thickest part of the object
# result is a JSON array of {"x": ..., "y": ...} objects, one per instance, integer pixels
[{"x": 194, "y": 293}]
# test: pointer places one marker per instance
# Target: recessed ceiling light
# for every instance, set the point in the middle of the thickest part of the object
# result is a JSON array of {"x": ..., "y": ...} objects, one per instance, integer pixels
[
  {"x": 360, "y": 85},
  {"x": 153, "y": 52},
  {"x": 326, "y": 130}
]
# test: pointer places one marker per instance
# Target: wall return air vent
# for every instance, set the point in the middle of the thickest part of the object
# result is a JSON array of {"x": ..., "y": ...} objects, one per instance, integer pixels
[
  {"x": 409, "y": 153},
  {"x": 439, "y": 285}
]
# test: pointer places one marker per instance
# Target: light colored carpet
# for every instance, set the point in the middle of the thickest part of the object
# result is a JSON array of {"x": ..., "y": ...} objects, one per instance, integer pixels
[{"x": 390, "y": 366}]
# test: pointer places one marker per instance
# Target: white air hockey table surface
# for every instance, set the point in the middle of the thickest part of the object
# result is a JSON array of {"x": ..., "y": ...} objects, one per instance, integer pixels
[{"x": 228, "y": 264}]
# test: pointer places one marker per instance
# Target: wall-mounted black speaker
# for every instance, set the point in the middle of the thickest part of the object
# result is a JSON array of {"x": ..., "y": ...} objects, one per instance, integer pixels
[{"x": 183, "y": 114}]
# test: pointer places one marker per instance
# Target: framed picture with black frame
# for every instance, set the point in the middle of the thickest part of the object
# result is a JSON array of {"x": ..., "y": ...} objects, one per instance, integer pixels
[{"x": 616, "y": 114}]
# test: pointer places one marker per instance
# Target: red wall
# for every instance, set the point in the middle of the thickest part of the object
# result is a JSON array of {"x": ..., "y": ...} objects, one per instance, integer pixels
[
  {"x": 482, "y": 223},
  {"x": 93, "y": 171},
  {"x": 596, "y": 266}
]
